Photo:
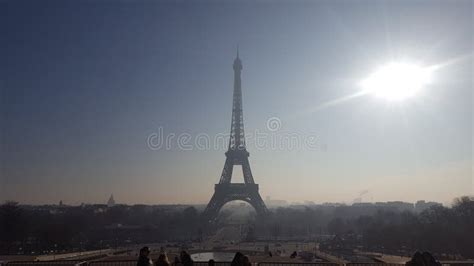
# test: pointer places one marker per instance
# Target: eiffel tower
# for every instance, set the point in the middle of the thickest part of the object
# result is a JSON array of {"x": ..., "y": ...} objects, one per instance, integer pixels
[{"x": 236, "y": 154}]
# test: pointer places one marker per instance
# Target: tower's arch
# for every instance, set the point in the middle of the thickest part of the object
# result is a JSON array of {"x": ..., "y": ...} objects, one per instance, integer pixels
[{"x": 225, "y": 193}]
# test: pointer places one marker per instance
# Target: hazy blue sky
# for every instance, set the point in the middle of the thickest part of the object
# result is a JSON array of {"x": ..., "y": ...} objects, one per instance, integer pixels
[{"x": 85, "y": 83}]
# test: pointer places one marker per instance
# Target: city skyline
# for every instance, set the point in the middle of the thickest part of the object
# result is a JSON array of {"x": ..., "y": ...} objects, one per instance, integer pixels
[{"x": 81, "y": 98}]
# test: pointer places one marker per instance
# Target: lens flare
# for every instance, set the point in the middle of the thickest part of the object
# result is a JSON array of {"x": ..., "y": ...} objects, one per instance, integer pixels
[{"x": 397, "y": 81}]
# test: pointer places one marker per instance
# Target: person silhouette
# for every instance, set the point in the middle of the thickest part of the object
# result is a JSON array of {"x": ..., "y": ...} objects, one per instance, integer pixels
[
  {"x": 293, "y": 255},
  {"x": 238, "y": 259},
  {"x": 143, "y": 259},
  {"x": 423, "y": 259},
  {"x": 162, "y": 260},
  {"x": 246, "y": 261},
  {"x": 186, "y": 259},
  {"x": 430, "y": 260}
]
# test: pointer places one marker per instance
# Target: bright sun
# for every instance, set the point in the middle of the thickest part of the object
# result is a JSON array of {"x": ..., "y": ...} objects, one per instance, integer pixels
[{"x": 396, "y": 81}]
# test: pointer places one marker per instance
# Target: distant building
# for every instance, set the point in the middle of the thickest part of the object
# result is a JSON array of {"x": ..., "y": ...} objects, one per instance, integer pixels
[
  {"x": 111, "y": 201},
  {"x": 422, "y": 205},
  {"x": 363, "y": 204},
  {"x": 275, "y": 203},
  {"x": 400, "y": 205},
  {"x": 332, "y": 204}
]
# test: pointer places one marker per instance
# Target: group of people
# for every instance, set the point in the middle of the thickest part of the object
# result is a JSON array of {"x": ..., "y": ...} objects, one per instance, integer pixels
[
  {"x": 145, "y": 260},
  {"x": 418, "y": 259},
  {"x": 184, "y": 259}
]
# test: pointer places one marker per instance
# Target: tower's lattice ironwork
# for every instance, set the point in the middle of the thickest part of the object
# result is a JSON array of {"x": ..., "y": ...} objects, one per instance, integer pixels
[{"x": 236, "y": 154}]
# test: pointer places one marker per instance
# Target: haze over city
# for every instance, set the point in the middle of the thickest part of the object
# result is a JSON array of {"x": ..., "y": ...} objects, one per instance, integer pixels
[{"x": 86, "y": 84}]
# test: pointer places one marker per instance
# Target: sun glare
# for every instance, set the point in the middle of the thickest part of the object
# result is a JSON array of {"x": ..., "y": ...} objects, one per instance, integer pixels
[{"x": 396, "y": 81}]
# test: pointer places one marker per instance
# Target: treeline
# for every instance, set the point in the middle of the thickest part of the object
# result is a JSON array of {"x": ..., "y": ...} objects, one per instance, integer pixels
[
  {"x": 64, "y": 229},
  {"x": 438, "y": 229},
  {"x": 444, "y": 231}
]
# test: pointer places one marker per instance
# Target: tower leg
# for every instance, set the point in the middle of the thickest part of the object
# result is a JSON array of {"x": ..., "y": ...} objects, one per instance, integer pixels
[
  {"x": 248, "y": 178},
  {"x": 226, "y": 175},
  {"x": 213, "y": 207},
  {"x": 258, "y": 204}
]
